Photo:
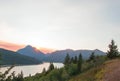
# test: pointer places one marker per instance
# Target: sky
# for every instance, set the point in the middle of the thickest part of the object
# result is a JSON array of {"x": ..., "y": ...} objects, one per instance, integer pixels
[{"x": 59, "y": 24}]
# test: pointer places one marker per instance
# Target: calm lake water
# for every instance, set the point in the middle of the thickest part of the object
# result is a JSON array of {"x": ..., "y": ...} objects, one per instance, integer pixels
[{"x": 31, "y": 69}]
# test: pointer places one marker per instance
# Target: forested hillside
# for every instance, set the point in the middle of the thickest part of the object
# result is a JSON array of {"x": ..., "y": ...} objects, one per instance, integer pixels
[{"x": 10, "y": 58}]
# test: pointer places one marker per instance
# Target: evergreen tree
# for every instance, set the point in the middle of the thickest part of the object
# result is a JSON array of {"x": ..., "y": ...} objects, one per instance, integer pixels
[
  {"x": 44, "y": 71},
  {"x": 51, "y": 67},
  {"x": 113, "y": 50},
  {"x": 92, "y": 57},
  {"x": 71, "y": 60},
  {"x": 75, "y": 59},
  {"x": 20, "y": 77},
  {"x": 67, "y": 59},
  {"x": 79, "y": 63}
]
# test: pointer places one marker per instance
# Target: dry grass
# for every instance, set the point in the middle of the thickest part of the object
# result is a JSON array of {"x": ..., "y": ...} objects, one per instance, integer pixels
[{"x": 109, "y": 71}]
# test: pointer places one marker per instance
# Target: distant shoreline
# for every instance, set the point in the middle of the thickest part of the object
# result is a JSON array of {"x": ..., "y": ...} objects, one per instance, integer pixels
[{"x": 18, "y": 65}]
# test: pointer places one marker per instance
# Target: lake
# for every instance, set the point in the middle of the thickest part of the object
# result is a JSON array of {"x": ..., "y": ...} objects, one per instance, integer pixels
[{"x": 31, "y": 69}]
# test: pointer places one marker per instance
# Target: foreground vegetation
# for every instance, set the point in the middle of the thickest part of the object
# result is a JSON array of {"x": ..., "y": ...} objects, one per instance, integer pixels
[
  {"x": 69, "y": 71},
  {"x": 75, "y": 69}
]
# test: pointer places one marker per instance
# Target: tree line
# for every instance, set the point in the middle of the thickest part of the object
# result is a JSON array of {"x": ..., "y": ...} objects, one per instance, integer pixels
[{"x": 74, "y": 60}]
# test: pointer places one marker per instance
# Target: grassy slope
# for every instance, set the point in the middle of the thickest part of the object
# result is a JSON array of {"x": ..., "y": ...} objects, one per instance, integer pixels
[
  {"x": 90, "y": 75},
  {"x": 109, "y": 71}
]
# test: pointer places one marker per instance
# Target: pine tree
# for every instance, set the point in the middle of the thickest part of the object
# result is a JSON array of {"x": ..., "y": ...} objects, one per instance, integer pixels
[
  {"x": 20, "y": 77},
  {"x": 67, "y": 59},
  {"x": 113, "y": 50},
  {"x": 71, "y": 60},
  {"x": 79, "y": 63},
  {"x": 75, "y": 59},
  {"x": 51, "y": 67},
  {"x": 92, "y": 57},
  {"x": 44, "y": 71}
]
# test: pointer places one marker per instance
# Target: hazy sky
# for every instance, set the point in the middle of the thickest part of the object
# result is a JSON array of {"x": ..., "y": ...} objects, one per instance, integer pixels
[{"x": 60, "y": 24}]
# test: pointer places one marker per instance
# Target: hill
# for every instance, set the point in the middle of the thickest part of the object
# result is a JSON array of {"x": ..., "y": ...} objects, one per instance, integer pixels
[
  {"x": 109, "y": 71},
  {"x": 10, "y": 57}
]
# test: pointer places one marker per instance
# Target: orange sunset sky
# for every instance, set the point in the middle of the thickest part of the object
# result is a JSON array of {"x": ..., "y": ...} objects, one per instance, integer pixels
[{"x": 15, "y": 47}]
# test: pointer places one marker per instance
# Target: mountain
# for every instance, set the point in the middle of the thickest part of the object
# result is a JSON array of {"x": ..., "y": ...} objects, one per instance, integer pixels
[
  {"x": 59, "y": 56},
  {"x": 32, "y": 52},
  {"x": 9, "y": 57}
]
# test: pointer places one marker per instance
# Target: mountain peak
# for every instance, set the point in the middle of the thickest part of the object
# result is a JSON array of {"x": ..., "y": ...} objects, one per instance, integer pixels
[
  {"x": 31, "y": 51},
  {"x": 97, "y": 50},
  {"x": 28, "y": 46}
]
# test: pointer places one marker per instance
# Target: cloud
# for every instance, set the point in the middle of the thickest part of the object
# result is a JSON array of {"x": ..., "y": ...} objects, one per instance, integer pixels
[
  {"x": 10, "y": 46},
  {"x": 15, "y": 47},
  {"x": 46, "y": 50}
]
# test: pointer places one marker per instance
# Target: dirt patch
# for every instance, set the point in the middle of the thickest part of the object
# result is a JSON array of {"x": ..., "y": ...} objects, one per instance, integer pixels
[{"x": 112, "y": 70}]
